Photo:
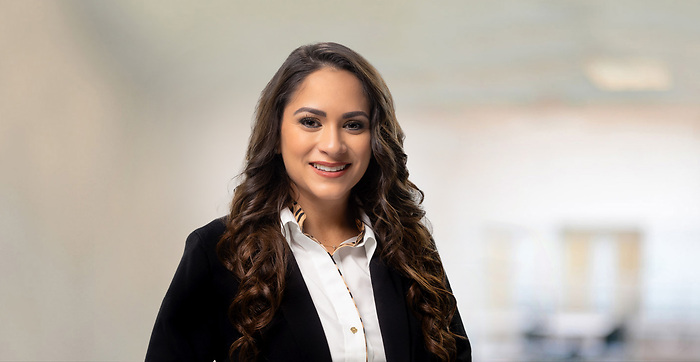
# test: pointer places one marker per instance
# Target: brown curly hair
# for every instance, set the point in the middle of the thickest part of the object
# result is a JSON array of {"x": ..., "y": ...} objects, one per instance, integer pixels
[{"x": 253, "y": 247}]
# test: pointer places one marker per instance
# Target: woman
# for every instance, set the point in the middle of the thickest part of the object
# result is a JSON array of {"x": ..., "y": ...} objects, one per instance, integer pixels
[{"x": 323, "y": 256}]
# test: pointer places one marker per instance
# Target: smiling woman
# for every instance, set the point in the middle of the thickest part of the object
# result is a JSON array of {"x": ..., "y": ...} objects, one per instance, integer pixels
[
  {"x": 325, "y": 146},
  {"x": 323, "y": 255}
]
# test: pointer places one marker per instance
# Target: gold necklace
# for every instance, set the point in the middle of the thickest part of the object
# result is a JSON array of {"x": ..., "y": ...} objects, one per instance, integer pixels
[{"x": 330, "y": 246}]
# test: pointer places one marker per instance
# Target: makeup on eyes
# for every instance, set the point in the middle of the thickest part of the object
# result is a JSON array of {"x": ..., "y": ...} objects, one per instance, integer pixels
[
  {"x": 321, "y": 113},
  {"x": 311, "y": 121}
]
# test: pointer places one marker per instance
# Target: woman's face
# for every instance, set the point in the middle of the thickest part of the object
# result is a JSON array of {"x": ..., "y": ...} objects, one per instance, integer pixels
[{"x": 325, "y": 136}]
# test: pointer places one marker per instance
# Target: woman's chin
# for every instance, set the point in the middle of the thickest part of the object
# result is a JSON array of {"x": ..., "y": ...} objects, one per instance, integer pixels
[{"x": 327, "y": 196}]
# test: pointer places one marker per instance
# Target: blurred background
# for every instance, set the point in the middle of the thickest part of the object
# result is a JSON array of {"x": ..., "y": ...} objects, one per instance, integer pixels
[{"x": 557, "y": 142}]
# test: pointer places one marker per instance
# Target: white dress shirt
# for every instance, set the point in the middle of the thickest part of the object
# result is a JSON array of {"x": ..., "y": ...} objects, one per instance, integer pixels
[{"x": 341, "y": 289}]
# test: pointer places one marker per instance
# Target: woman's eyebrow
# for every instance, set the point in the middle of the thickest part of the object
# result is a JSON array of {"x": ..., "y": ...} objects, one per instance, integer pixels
[
  {"x": 311, "y": 110},
  {"x": 321, "y": 113},
  {"x": 355, "y": 114}
]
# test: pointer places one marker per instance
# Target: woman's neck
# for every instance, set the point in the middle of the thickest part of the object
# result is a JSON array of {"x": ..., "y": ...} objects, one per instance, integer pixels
[{"x": 330, "y": 223}]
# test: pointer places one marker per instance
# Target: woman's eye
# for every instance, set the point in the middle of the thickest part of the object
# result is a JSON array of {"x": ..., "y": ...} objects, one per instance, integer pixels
[
  {"x": 309, "y": 122},
  {"x": 354, "y": 126}
]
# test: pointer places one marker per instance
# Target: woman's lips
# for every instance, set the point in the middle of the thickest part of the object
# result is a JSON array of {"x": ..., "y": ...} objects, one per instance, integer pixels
[{"x": 330, "y": 169}]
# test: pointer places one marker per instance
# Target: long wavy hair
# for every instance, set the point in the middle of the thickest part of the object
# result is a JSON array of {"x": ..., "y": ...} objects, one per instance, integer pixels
[{"x": 253, "y": 247}]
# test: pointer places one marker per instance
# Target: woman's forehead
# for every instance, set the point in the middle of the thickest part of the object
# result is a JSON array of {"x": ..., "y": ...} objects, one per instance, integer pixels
[{"x": 330, "y": 87}]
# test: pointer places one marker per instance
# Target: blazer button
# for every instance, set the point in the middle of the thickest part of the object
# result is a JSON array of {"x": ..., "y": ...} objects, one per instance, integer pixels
[{"x": 353, "y": 330}]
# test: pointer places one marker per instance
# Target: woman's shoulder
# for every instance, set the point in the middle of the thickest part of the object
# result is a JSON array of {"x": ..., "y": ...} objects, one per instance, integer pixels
[
  {"x": 210, "y": 232},
  {"x": 201, "y": 243}
]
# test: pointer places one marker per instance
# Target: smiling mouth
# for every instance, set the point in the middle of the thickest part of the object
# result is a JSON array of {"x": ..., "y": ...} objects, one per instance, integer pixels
[{"x": 330, "y": 168}]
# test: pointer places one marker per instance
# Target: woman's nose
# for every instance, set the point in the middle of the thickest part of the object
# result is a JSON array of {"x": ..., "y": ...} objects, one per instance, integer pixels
[{"x": 331, "y": 141}]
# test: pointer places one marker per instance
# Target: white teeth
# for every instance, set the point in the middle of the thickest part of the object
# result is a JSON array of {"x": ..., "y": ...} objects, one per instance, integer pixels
[{"x": 328, "y": 168}]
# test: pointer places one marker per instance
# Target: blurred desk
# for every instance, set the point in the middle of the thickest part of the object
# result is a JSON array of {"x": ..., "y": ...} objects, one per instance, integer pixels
[
  {"x": 573, "y": 335},
  {"x": 578, "y": 325}
]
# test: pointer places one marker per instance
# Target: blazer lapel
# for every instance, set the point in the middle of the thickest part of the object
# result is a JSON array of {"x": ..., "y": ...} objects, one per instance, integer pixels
[
  {"x": 299, "y": 311},
  {"x": 390, "y": 299}
]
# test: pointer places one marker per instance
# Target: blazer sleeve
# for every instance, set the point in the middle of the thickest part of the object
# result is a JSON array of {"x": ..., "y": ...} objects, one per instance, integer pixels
[
  {"x": 464, "y": 347},
  {"x": 186, "y": 326}
]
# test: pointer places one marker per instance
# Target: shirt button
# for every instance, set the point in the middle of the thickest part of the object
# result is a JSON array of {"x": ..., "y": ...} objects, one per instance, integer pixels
[{"x": 353, "y": 330}]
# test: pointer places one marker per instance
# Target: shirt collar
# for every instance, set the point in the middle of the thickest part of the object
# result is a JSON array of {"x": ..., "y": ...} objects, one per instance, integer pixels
[{"x": 294, "y": 219}]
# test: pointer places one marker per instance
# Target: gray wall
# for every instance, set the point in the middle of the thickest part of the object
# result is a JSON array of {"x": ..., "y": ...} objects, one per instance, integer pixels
[{"x": 123, "y": 125}]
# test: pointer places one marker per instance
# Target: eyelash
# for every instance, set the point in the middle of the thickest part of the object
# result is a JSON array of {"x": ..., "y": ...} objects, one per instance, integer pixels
[
  {"x": 358, "y": 126},
  {"x": 309, "y": 122},
  {"x": 314, "y": 123}
]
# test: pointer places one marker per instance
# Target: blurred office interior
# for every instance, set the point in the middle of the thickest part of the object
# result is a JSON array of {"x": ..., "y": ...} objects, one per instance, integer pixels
[{"x": 557, "y": 143}]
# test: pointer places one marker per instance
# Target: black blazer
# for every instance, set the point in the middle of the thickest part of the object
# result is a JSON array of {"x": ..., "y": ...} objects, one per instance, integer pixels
[{"x": 192, "y": 324}]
